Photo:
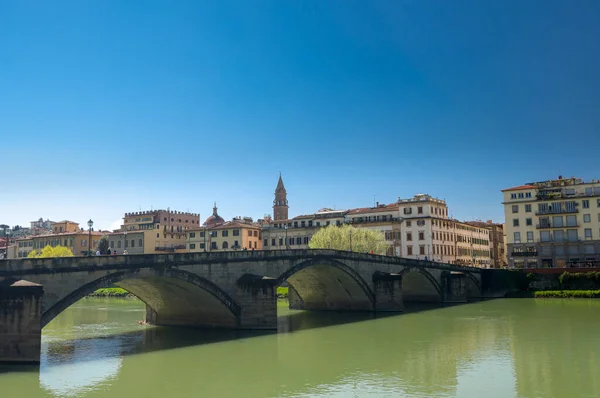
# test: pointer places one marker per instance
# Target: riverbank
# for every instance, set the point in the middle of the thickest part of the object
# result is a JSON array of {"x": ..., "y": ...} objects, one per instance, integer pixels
[
  {"x": 111, "y": 292},
  {"x": 567, "y": 294}
]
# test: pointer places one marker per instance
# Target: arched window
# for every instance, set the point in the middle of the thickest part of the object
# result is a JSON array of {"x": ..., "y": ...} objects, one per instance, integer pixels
[{"x": 225, "y": 245}]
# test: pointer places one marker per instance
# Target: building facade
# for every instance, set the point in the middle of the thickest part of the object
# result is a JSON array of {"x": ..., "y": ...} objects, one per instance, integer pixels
[
  {"x": 77, "y": 241},
  {"x": 553, "y": 223},
  {"x": 154, "y": 231},
  {"x": 497, "y": 244},
  {"x": 237, "y": 234}
]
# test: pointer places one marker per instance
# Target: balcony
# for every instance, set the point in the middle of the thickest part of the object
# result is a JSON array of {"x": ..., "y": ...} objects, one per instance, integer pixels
[
  {"x": 556, "y": 211},
  {"x": 549, "y": 226}
]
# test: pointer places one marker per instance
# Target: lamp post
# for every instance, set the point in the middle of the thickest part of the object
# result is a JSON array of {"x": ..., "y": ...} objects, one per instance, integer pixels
[
  {"x": 90, "y": 224},
  {"x": 286, "y": 238},
  {"x": 204, "y": 234},
  {"x": 5, "y": 227},
  {"x": 125, "y": 243}
]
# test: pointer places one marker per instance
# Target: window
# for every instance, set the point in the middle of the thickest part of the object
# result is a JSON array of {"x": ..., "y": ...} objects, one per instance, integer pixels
[
  {"x": 513, "y": 195},
  {"x": 588, "y": 233},
  {"x": 587, "y": 218},
  {"x": 236, "y": 232},
  {"x": 530, "y": 236},
  {"x": 83, "y": 242},
  {"x": 559, "y": 236},
  {"x": 302, "y": 224},
  {"x": 408, "y": 223},
  {"x": 310, "y": 223},
  {"x": 528, "y": 221},
  {"x": 586, "y": 204},
  {"x": 515, "y": 222},
  {"x": 299, "y": 240},
  {"x": 192, "y": 234},
  {"x": 213, "y": 245},
  {"x": 119, "y": 244},
  {"x": 598, "y": 204},
  {"x": 255, "y": 233},
  {"x": 409, "y": 236},
  {"x": 421, "y": 236},
  {"x": 272, "y": 241},
  {"x": 202, "y": 234},
  {"x": 572, "y": 235},
  {"x": 422, "y": 250},
  {"x": 557, "y": 221},
  {"x": 420, "y": 210},
  {"x": 224, "y": 233},
  {"x": 528, "y": 194},
  {"x": 213, "y": 234},
  {"x": 132, "y": 242},
  {"x": 202, "y": 246},
  {"x": 527, "y": 208},
  {"x": 517, "y": 237},
  {"x": 140, "y": 243},
  {"x": 515, "y": 208},
  {"x": 571, "y": 221},
  {"x": 544, "y": 236},
  {"x": 409, "y": 251},
  {"x": 235, "y": 244},
  {"x": 225, "y": 245},
  {"x": 192, "y": 246}
]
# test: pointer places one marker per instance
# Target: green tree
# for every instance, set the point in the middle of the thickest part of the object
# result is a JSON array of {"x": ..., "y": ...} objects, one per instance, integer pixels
[
  {"x": 103, "y": 245},
  {"x": 49, "y": 251},
  {"x": 346, "y": 237}
]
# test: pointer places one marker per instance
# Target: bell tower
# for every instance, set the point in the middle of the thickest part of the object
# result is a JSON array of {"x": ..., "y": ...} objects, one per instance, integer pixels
[{"x": 280, "y": 204}]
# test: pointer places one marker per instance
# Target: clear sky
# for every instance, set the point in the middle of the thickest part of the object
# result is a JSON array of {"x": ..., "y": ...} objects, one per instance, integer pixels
[{"x": 115, "y": 106}]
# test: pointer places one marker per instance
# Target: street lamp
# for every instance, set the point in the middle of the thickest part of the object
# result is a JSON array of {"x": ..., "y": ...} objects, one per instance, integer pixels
[
  {"x": 5, "y": 227},
  {"x": 125, "y": 243},
  {"x": 90, "y": 224},
  {"x": 286, "y": 238}
]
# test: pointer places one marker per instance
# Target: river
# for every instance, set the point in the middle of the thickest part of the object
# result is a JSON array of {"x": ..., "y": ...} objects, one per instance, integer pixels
[{"x": 501, "y": 348}]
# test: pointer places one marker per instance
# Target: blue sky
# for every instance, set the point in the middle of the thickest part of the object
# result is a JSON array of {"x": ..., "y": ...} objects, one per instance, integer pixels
[{"x": 113, "y": 106}]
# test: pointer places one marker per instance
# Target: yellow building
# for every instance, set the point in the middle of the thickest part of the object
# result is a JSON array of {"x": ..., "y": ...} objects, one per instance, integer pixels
[
  {"x": 77, "y": 241},
  {"x": 154, "y": 231},
  {"x": 553, "y": 223},
  {"x": 238, "y": 234},
  {"x": 65, "y": 226}
]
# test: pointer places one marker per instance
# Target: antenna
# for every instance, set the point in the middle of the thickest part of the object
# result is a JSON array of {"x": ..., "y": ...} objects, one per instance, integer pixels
[{"x": 374, "y": 200}]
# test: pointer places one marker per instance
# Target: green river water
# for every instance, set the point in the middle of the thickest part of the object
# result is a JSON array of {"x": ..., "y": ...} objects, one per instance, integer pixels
[{"x": 501, "y": 348}]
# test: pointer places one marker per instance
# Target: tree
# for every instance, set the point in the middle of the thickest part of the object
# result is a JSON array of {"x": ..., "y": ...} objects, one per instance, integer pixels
[
  {"x": 348, "y": 238},
  {"x": 49, "y": 251},
  {"x": 103, "y": 245}
]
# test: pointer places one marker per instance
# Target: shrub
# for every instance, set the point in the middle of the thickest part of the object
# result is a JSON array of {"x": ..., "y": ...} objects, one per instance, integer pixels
[{"x": 567, "y": 294}]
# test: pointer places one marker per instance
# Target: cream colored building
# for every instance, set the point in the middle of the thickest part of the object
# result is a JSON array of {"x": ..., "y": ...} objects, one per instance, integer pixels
[
  {"x": 553, "y": 223},
  {"x": 383, "y": 218},
  {"x": 77, "y": 241},
  {"x": 238, "y": 234},
  {"x": 154, "y": 231},
  {"x": 428, "y": 233}
]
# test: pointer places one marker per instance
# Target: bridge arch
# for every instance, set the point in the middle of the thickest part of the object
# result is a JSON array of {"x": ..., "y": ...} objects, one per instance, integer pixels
[
  {"x": 419, "y": 285},
  {"x": 473, "y": 286},
  {"x": 326, "y": 284},
  {"x": 172, "y": 297}
]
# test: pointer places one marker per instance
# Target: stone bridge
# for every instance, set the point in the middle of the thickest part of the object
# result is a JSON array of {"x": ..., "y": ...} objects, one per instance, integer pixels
[{"x": 228, "y": 289}]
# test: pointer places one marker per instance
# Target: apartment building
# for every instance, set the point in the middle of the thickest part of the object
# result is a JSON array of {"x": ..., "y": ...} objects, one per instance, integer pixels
[
  {"x": 154, "y": 231},
  {"x": 496, "y": 239},
  {"x": 428, "y": 233},
  {"x": 553, "y": 223},
  {"x": 295, "y": 233},
  {"x": 381, "y": 217},
  {"x": 77, "y": 241},
  {"x": 241, "y": 233}
]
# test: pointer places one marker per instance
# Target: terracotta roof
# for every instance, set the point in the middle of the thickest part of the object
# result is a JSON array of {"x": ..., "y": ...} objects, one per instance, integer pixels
[
  {"x": 380, "y": 209},
  {"x": 519, "y": 188},
  {"x": 235, "y": 224}
]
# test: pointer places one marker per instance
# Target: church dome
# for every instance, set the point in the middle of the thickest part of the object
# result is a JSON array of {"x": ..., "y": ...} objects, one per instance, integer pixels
[{"x": 214, "y": 220}]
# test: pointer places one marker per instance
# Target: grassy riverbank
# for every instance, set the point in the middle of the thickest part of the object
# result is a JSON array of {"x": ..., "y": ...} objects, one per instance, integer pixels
[
  {"x": 282, "y": 292},
  {"x": 567, "y": 294},
  {"x": 111, "y": 292}
]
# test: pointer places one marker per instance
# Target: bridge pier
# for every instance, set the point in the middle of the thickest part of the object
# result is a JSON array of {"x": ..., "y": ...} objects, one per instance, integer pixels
[
  {"x": 388, "y": 292},
  {"x": 456, "y": 288},
  {"x": 20, "y": 321},
  {"x": 258, "y": 298},
  {"x": 294, "y": 300}
]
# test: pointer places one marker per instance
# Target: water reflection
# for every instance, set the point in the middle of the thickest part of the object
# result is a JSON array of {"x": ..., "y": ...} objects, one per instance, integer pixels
[{"x": 503, "y": 348}]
